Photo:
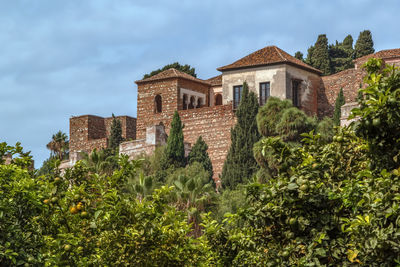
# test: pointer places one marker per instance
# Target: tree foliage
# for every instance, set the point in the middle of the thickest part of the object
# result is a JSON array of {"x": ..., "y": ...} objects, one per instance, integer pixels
[
  {"x": 240, "y": 164},
  {"x": 174, "y": 154},
  {"x": 319, "y": 56},
  {"x": 337, "y": 113},
  {"x": 115, "y": 134},
  {"x": 364, "y": 44},
  {"x": 59, "y": 145},
  {"x": 199, "y": 154},
  {"x": 184, "y": 68}
]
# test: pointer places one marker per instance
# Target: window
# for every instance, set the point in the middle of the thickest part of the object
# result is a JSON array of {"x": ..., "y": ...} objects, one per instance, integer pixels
[
  {"x": 264, "y": 93},
  {"x": 237, "y": 95},
  {"x": 218, "y": 99},
  {"x": 157, "y": 104},
  {"x": 295, "y": 93}
]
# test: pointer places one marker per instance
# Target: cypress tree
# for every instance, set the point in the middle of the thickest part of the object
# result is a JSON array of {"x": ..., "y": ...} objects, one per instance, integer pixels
[
  {"x": 364, "y": 45},
  {"x": 299, "y": 55},
  {"x": 174, "y": 155},
  {"x": 240, "y": 164},
  {"x": 199, "y": 154},
  {"x": 340, "y": 101},
  {"x": 115, "y": 134},
  {"x": 320, "y": 55}
]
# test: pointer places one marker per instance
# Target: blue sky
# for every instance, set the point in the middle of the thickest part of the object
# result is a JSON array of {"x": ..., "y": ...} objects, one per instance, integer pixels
[{"x": 65, "y": 58}]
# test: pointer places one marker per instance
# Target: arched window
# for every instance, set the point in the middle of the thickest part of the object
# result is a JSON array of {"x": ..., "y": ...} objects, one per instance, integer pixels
[
  {"x": 192, "y": 102},
  {"x": 157, "y": 104},
  {"x": 184, "y": 102},
  {"x": 199, "y": 102},
  {"x": 218, "y": 99}
]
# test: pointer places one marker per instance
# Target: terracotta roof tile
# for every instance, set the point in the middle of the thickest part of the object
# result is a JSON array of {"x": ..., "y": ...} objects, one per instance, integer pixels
[
  {"x": 215, "y": 81},
  {"x": 172, "y": 73},
  {"x": 383, "y": 54},
  {"x": 267, "y": 56}
]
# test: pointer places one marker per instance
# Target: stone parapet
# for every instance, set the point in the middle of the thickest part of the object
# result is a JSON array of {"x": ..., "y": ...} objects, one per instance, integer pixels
[{"x": 346, "y": 112}]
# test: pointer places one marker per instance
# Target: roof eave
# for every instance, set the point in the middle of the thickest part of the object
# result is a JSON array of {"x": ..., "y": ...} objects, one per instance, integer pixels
[{"x": 222, "y": 69}]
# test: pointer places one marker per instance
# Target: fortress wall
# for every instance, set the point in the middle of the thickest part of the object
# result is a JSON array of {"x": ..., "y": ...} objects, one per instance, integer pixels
[
  {"x": 128, "y": 125},
  {"x": 214, "y": 125},
  {"x": 349, "y": 80},
  {"x": 146, "y": 117}
]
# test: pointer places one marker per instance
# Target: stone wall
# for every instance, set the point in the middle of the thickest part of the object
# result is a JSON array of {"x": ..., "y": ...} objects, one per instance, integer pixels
[
  {"x": 168, "y": 90},
  {"x": 214, "y": 125},
  {"x": 345, "y": 113},
  {"x": 350, "y": 80},
  {"x": 88, "y": 132}
]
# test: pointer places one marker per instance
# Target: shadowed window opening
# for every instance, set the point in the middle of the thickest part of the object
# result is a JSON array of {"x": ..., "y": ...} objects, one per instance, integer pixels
[{"x": 157, "y": 104}]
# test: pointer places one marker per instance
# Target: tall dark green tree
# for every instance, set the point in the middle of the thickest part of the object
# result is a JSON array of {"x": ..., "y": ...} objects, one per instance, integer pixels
[
  {"x": 320, "y": 55},
  {"x": 184, "y": 68},
  {"x": 340, "y": 101},
  {"x": 341, "y": 54},
  {"x": 364, "y": 45},
  {"x": 174, "y": 154},
  {"x": 240, "y": 164},
  {"x": 115, "y": 134},
  {"x": 299, "y": 55},
  {"x": 199, "y": 154}
]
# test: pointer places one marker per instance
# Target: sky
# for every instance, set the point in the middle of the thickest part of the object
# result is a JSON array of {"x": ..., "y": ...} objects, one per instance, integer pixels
[{"x": 67, "y": 58}]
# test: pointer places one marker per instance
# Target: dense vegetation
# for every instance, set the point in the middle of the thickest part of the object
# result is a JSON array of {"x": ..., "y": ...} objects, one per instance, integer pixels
[
  {"x": 326, "y": 201},
  {"x": 333, "y": 58}
]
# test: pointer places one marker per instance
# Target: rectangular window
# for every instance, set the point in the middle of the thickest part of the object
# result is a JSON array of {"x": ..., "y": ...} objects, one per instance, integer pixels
[
  {"x": 295, "y": 93},
  {"x": 264, "y": 93},
  {"x": 237, "y": 95}
]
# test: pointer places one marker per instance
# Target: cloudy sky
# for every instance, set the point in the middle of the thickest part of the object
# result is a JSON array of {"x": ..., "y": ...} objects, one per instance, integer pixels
[{"x": 64, "y": 58}]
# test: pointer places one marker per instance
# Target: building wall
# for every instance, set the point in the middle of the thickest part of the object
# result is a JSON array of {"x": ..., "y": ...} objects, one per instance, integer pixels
[
  {"x": 275, "y": 74},
  {"x": 168, "y": 90},
  {"x": 308, "y": 88},
  {"x": 280, "y": 78},
  {"x": 214, "y": 125},
  {"x": 88, "y": 132},
  {"x": 350, "y": 80}
]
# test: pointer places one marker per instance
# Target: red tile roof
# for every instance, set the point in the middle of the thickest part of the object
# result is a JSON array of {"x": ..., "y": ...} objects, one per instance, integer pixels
[
  {"x": 383, "y": 54},
  {"x": 171, "y": 73},
  {"x": 268, "y": 56},
  {"x": 215, "y": 81}
]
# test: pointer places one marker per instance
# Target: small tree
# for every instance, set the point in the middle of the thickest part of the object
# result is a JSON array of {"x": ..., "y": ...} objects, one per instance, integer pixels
[
  {"x": 199, "y": 154},
  {"x": 340, "y": 101},
  {"x": 174, "y": 155},
  {"x": 240, "y": 164},
  {"x": 364, "y": 45},
  {"x": 115, "y": 134}
]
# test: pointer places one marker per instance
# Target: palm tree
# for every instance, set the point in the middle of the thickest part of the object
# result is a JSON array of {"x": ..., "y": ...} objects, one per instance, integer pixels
[
  {"x": 59, "y": 145},
  {"x": 140, "y": 185},
  {"x": 193, "y": 194},
  {"x": 100, "y": 162}
]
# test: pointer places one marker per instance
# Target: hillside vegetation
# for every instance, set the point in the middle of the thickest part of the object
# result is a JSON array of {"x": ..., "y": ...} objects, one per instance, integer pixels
[{"x": 320, "y": 196}]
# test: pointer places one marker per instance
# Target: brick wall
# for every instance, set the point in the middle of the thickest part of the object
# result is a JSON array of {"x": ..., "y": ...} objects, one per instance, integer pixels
[
  {"x": 214, "y": 125},
  {"x": 168, "y": 90},
  {"x": 128, "y": 126},
  {"x": 349, "y": 80},
  {"x": 88, "y": 132}
]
